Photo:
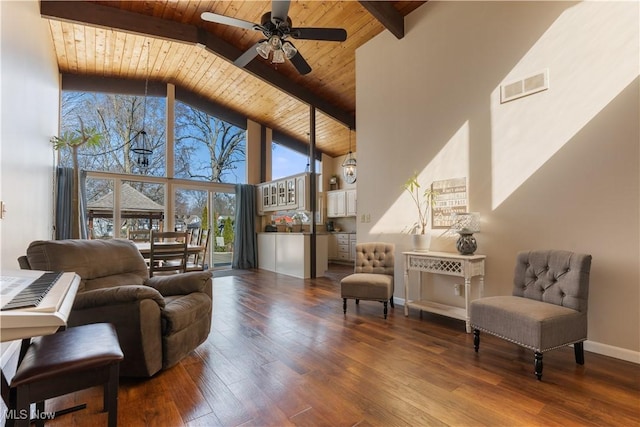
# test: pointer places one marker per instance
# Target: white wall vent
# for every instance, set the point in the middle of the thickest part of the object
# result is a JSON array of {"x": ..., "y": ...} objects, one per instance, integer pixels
[{"x": 523, "y": 87}]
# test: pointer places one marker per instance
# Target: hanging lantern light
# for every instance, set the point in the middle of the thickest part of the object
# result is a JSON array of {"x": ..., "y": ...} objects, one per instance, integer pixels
[
  {"x": 141, "y": 146},
  {"x": 349, "y": 165}
]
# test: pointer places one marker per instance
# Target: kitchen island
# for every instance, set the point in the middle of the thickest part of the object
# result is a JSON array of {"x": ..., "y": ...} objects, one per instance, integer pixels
[{"x": 289, "y": 253}]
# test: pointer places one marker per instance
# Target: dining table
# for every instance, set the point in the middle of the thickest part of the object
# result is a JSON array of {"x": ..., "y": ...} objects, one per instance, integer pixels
[{"x": 145, "y": 248}]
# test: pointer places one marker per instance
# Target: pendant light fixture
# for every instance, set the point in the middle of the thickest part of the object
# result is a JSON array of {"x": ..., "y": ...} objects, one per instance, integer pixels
[
  {"x": 141, "y": 146},
  {"x": 349, "y": 165}
]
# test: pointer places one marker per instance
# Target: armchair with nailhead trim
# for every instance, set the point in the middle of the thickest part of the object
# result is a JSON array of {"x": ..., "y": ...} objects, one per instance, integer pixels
[{"x": 547, "y": 308}]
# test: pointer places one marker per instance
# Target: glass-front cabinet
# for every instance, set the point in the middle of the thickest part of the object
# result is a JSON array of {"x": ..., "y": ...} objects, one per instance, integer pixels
[{"x": 289, "y": 193}]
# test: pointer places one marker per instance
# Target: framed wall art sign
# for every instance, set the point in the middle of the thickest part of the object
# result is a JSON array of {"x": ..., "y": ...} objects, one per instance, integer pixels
[{"x": 450, "y": 197}]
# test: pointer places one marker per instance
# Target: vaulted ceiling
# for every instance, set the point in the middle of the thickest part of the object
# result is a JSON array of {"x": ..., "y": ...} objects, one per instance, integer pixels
[{"x": 167, "y": 41}]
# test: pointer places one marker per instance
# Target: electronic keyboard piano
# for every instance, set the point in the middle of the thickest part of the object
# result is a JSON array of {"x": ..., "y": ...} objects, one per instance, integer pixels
[{"x": 34, "y": 303}]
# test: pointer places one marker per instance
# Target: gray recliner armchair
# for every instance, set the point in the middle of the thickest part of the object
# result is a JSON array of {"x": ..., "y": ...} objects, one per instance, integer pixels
[
  {"x": 547, "y": 308},
  {"x": 159, "y": 320}
]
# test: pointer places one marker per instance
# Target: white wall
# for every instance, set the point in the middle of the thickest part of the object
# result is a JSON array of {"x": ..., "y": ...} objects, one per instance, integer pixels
[
  {"x": 558, "y": 169},
  {"x": 30, "y": 109}
]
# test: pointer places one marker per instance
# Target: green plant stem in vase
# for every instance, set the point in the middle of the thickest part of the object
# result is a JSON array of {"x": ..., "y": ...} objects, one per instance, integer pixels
[{"x": 424, "y": 200}]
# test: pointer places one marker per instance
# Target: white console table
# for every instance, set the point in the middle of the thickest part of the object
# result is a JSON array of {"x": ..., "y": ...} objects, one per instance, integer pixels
[{"x": 451, "y": 264}]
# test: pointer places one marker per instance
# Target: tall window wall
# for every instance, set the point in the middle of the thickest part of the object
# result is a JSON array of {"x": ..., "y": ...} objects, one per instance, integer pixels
[{"x": 124, "y": 194}]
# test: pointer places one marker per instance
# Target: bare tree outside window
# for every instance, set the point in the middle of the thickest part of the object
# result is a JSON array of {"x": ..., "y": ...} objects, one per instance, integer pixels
[
  {"x": 207, "y": 148},
  {"x": 118, "y": 118}
]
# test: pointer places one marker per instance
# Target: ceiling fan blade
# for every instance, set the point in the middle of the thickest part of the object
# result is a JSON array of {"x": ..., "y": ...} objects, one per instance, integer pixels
[
  {"x": 279, "y": 10},
  {"x": 327, "y": 34},
  {"x": 227, "y": 20},
  {"x": 247, "y": 56},
  {"x": 300, "y": 63}
]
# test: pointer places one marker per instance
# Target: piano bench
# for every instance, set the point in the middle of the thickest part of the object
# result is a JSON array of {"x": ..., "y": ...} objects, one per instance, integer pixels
[{"x": 68, "y": 361}]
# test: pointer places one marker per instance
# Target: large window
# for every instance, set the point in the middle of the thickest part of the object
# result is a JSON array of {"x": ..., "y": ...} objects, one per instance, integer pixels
[
  {"x": 118, "y": 119},
  {"x": 286, "y": 162},
  {"x": 124, "y": 194},
  {"x": 207, "y": 148},
  {"x": 197, "y": 210}
]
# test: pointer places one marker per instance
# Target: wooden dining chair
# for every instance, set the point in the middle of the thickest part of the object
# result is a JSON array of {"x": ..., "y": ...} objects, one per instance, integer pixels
[
  {"x": 194, "y": 240},
  {"x": 168, "y": 253},
  {"x": 139, "y": 235},
  {"x": 200, "y": 259}
]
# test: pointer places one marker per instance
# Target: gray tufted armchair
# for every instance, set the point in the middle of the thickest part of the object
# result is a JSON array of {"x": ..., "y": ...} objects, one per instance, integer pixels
[
  {"x": 547, "y": 308},
  {"x": 373, "y": 275}
]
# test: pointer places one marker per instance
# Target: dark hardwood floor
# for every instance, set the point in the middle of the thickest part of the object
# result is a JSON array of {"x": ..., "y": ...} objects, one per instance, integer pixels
[{"x": 282, "y": 353}]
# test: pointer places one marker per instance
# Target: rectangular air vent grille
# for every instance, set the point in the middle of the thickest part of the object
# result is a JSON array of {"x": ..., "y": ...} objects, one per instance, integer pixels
[{"x": 523, "y": 87}]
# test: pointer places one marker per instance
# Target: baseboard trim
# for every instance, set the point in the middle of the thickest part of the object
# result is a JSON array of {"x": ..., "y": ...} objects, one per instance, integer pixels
[
  {"x": 611, "y": 351},
  {"x": 592, "y": 346}
]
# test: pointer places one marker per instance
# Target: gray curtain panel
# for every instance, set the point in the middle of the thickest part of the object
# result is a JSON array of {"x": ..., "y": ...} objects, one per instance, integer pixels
[
  {"x": 64, "y": 190},
  {"x": 83, "y": 205},
  {"x": 245, "y": 254}
]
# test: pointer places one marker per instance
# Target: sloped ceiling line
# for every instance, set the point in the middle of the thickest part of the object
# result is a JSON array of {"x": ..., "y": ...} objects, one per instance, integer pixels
[{"x": 387, "y": 15}]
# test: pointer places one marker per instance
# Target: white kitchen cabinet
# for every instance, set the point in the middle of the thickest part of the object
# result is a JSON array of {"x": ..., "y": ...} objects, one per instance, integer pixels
[
  {"x": 333, "y": 246},
  {"x": 288, "y": 253},
  {"x": 266, "y": 252},
  {"x": 341, "y": 203},
  {"x": 352, "y": 246},
  {"x": 282, "y": 194},
  {"x": 262, "y": 198},
  {"x": 351, "y": 203},
  {"x": 302, "y": 192},
  {"x": 343, "y": 247},
  {"x": 290, "y": 193},
  {"x": 336, "y": 204}
]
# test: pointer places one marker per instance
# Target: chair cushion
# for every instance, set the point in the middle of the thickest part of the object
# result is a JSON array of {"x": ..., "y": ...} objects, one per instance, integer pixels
[
  {"x": 533, "y": 324},
  {"x": 367, "y": 286},
  {"x": 182, "y": 311}
]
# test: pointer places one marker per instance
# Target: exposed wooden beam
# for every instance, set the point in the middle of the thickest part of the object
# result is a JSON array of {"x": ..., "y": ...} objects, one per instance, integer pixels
[
  {"x": 109, "y": 17},
  {"x": 387, "y": 15}
]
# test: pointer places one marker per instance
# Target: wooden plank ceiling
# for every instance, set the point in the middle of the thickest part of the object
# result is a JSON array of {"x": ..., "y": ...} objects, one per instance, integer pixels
[{"x": 119, "y": 38}]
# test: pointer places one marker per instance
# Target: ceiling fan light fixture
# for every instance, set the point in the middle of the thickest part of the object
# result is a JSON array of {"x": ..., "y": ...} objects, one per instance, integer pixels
[
  {"x": 278, "y": 56},
  {"x": 289, "y": 50},
  {"x": 275, "y": 42},
  {"x": 263, "y": 49}
]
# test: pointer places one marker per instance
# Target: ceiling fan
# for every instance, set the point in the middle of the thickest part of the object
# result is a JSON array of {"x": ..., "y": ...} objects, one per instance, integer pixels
[{"x": 277, "y": 28}]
